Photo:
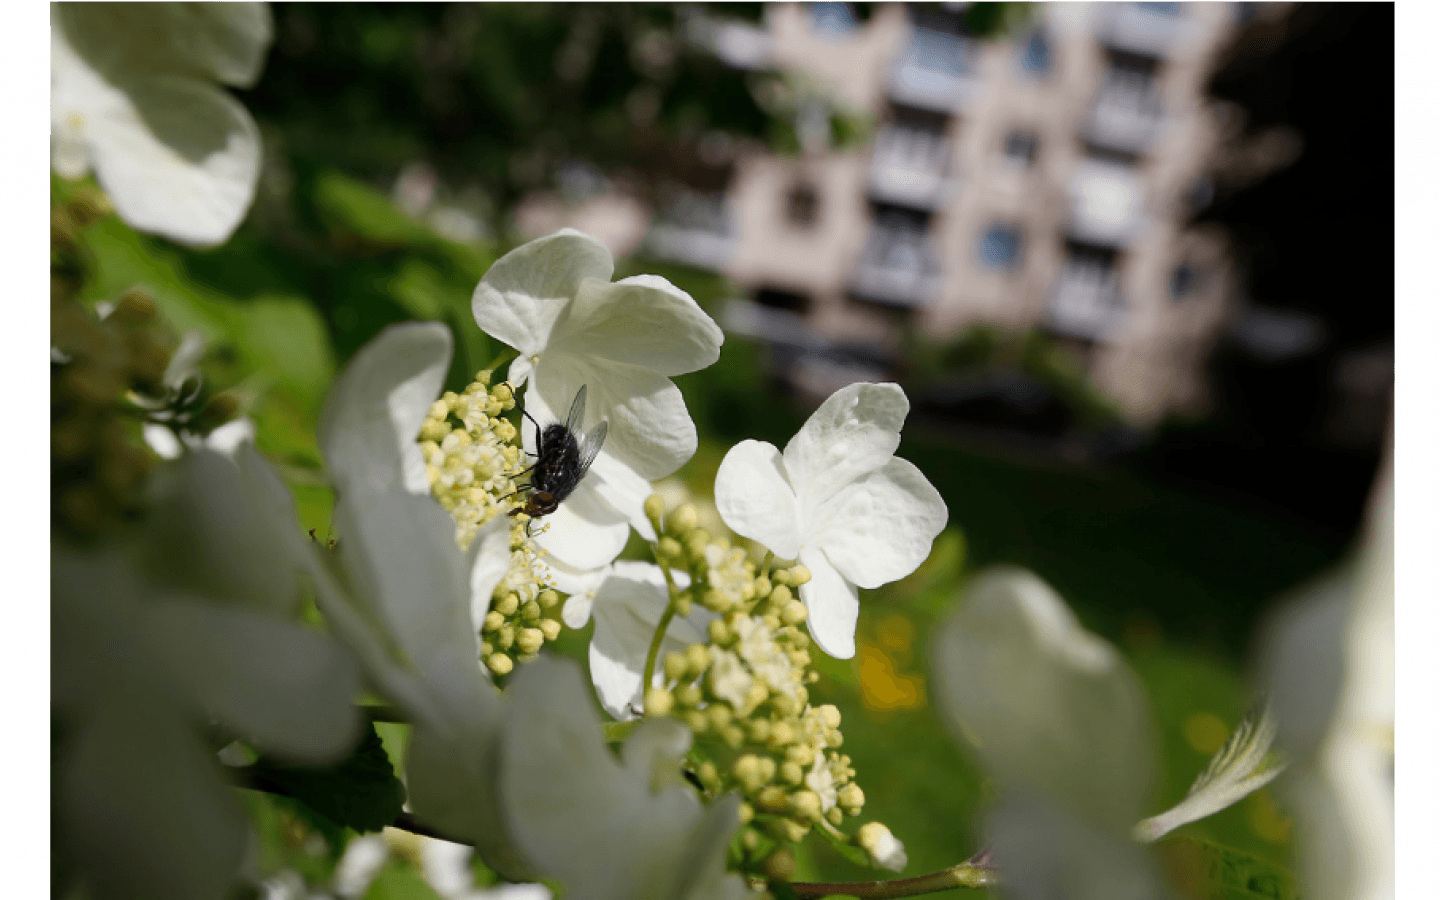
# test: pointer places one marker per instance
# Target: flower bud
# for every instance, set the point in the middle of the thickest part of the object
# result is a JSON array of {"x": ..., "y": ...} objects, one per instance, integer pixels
[
  {"x": 805, "y": 805},
  {"x": 548, "y": 599},
  {"x": 668, "y": 549},
  {"x": 793, "y": 613},
  {"x": 658, "y": 702},
  {"x": 780, "y": 865},
  {"x": 697, "y": 721},
  {"x": 654, "y": 507},
  {"x": 697, "y": 658},
  {"x": 759, "y": 730},
  {"x": 500, "y": 664},
  {"x": 493, "y": 620},
  {"x": 685, "y": 518},
  {"x": 799, "y": 575},
  {"x": 747, "y": 813},
  {"x": 801, "y": 754},
  {"x": 720, "y": 716},
  {"x": 851, "y": 798},
  {"x": 507, "y": 604},
  {"x": 780, "y": 597},
  {"x": 830, "y": 714},
  {"x": 762, "y": 586},
  {"x": 885, "y": 851},
  {"x": 748, "y": 772},
  {"x": 790, "y": 773},
  {"x": 682, "y": 603},
  {"x": 530, "y": 611},
  {"x": 675, "y": 666},
  {"x": 696, "y": 541},
  {"x": 551, "y": 628},
  {"x": 782, "y": 734},
  {"x": 502, "y": 392},
  {"x": 835, "y": 816},
  {"x": 688, "y": 695},
  {"x": 709, "y": 776},
  {"x": 773, "y": 799},
  {"x": 750, "y": 838},
  {"x": 720, "y": 633},
  {"x": 530, "y": 640}
]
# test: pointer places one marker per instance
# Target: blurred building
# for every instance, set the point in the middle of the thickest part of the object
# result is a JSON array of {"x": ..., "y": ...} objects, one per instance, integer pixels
[{"x": 1040, "y": 180}]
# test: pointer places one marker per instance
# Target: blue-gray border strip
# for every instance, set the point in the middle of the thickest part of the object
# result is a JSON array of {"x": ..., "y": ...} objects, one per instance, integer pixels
[{"x": 25, "y": 478}]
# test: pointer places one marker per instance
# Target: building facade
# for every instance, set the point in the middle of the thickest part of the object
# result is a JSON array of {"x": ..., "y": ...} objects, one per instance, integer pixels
[{"x": 1041, "y": 180}]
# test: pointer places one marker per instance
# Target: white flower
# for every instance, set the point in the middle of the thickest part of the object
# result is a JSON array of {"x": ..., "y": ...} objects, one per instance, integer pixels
[
  {"x": 552, "y": 299},
  {"x": 1055, "y": 714},
  {"x": 1330, "y": 665},
  {"x": 627, "y": 600},
  {"x": 135, "y": 95},
  {"x": 838, "y": 501},
  {"x": 190, "y": 627},
  {"x": 402, "y": 594},
  {"x": 608, "y": 829}
]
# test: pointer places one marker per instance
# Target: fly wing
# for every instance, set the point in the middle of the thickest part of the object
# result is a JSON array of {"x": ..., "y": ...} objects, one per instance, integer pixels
[
  {"x": 576, "y": 419},
  {"x": 591, "y": 446}
]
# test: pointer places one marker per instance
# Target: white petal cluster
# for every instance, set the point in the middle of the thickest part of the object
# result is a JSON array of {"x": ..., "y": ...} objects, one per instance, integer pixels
[
  {"x": 552, "y": 300},
  {"x": 191, "y": 625},
  {"x": 135, "y": 95},
  {"x": 839, "y": 501}
]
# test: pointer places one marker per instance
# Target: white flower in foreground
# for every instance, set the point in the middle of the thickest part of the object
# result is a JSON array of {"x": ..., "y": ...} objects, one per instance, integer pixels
[
  {"x": 135, "y": 95},
  {"x": 839, "y": 501},
  {"x": 403, "y": 595},
  {"x": 627, "y": 600},
  {"x": 1055, "y": 714},
  {"x": 552, "y": 300},
  {"x": 1330, "y": 664},
  {"x": 606, "y": 828},
  {"x": 154, "y": 645}
]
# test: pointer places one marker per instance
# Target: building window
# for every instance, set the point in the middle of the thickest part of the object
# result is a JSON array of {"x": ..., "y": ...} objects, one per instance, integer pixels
[
  {"x": 1000, "y": 247},
  {"x": 1021, "y": 146},
  {"x": 939, "y": 51},
  {"x": 1035, "y": 56},
  {"x": 1184, "y": 281},
  {"x": 775, "y": 298},
  {"x": 832, "y": 18},
  {"x": 1162, "y": 9},
  {"x": 801, "y": 205}
]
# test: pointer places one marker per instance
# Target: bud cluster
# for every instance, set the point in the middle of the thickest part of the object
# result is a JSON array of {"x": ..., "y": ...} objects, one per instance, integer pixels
[
  {"x": 472, "y": 457},
  {"x": 744, "y": 693}
]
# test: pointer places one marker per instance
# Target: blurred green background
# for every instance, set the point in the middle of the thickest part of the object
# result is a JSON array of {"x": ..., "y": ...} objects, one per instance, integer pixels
[{"x": 325, "y": 260}]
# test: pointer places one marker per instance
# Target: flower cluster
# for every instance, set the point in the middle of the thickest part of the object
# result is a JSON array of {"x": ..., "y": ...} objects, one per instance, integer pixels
[
  {"x": 742, "y": 693},
  {"x": 472, "y": 458}
]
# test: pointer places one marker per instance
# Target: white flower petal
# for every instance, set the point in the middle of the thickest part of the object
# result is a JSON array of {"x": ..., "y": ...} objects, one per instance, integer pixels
[
  {"x": 224, "y": 41},
  {"x": 624, "y": 490},
  {"x": 579, "y": 814},
  {"x": 879, "y": 528},
  {"x": 1046, "y": 851},
  {"x": 833, "y": 604},
  {"x": 584, "y": 532},
  {"x": 580, "y": 584},
  {"x": 528, "y": 289},
  {"x": 643, "y": 321},
  {"x": 374, "y": 411},
  {"x": 627, "y": 609},
  {"x": 178, "y": 156},
  {"x": 853, "y": 432},
  {"x": 649, "y": 428},
  {"x": 754, "y": 497},
  {"x": 489, "y": 561},
  {"x": 1050, "y": 708},
  {"x": 277, "y": 685}
]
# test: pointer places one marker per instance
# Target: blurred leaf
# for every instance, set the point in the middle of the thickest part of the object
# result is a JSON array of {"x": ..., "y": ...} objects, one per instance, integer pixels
[
  {"x": 367, "y": 213},
  {"x": 399, "y": 882},
  {"x": 1202, "y": 870},
  {"x": 854, "y": 854},
  {"x": 285, "y": 338},
  {"x": 360, "y": 792}
]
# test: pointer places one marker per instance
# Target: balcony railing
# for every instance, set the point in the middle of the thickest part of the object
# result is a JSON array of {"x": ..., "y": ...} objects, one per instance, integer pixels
[
  {"x": 908, "y": 167},
  {"x": 1087, "y": 302},
  {"x": 1107, "y": 203},
  {"x": 1125, "y": 119},
  {"x": 898, "y": 266},
  {"x": 936, "y": 71},
  {"x": 1154, "y": 29},
  {"x": 696, "y": 229}
]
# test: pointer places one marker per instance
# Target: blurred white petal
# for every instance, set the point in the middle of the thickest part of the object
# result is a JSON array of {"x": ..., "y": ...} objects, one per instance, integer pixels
[
  {"x": 581, "y": 815},
  {"x": 1051, "y": 709},
  {"x": 627, "y": 608},
  {"x": 1045, "y": 851}
]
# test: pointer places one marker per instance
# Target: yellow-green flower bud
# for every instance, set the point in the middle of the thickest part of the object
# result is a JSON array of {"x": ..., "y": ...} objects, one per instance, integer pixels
[
  {"x": 773, "y": 799},
  {"x": 505, "y": 636},
  {"x": 851, "y": 798},
  {"x": 720, "y": 633},
  {"x": 682, "y": 603},
  {"x": 835, "y": 816},
  {"x": 530, "y": 640},
  {"x": 551, "y": 628},
  {"x": 697, "y": 721},
  {"x": 757, "y": 695},
  {"x": 685, "y": 518},
  {"x": 669, "y": 549},
  {"x": 507, "y": 604},
  {"x": 799, "y": 575},
  {"x": 780, "y": 576},
  {"x": 780, "y": 597},
  {"x": 720, "y": 715},
  {"x": 548, "y": 599},
  {"x": 802, "y": 755},
  {"x": 830, "y": 714},
  {"x": 806, "y": 805},
  {"x": 715, "y": 601},
  {"x": 493, "y": 620},
  {"x": 696, "y": 541},
  {"x": 750, "y": 838},
  {"x": 762, "y": 586},
  {"x": 530, "y": 611},
  {"x": 793, "y": 613},
  {"x": 791, "y": 773},
  {"x": 502, "y": 392},
  {"x": 500, "y": 664},
  {"x": 732, "y": 735},
  {"x": 697, "y": 658},
  {"x": 785, "y": 705},
  {"x": 759, "y": 730},
  {"x": 747, "y": 812},
  {"x": 767, "y": 768},
  {"x": 748, "y": 773},
  {"x": 782, "y": 734},
  {"x": 658, "y": 702},
  {"x": 787, "y": 830},
  {"x": 780, "y": 865},
  {"x": 688, "y": 695},
  {"x": 675, "y": 666},
  {"x": 709, "y": 776},
  {"x": 654, "y": 507}
]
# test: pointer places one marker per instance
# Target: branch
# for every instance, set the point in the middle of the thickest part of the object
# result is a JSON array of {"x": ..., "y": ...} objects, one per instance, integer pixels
[{"x": 976, "y": 872}]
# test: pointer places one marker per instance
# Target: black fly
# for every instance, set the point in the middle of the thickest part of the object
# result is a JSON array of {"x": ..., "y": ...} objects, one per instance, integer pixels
[{"x": 562, "y": 457}]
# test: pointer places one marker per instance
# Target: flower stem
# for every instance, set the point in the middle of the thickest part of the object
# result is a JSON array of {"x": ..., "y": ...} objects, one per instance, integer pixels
[
  {"x": 963, "y": 875},
  {"x": 660, "y": 630}
]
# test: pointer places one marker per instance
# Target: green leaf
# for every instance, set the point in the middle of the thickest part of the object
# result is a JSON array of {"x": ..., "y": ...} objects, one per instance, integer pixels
[
  {"x": 851, "y": 852},
  {"x": 367, "y": 213},
  {"x": 285, "y": 338},
  {"x": 1202, "y": 869},
  {"x": 360, "y": 792}
]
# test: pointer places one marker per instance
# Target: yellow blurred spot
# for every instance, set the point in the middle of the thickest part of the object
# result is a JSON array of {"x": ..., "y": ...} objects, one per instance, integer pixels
[
  {"x": 895, "y": 633},
  {"x": 882, "y": 687},
  {"x": 1205, "y": 732},
  {"x": 1266, "y": 819}
]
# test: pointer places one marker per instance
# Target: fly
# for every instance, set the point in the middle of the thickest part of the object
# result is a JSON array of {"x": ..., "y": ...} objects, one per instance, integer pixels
[{"x": 562, "y": 457}]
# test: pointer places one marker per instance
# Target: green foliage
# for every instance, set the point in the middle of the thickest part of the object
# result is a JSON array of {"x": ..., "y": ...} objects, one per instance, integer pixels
[
  {"x": 359, "y": 792},
  {"x": 1202, "y": 869},
  {"x": 398, "y": 881}
]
